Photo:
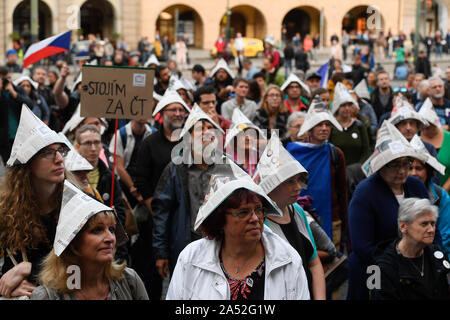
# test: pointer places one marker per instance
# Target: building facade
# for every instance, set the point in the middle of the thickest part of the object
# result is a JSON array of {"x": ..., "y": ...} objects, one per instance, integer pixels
[{"x": 203, "y": 20}]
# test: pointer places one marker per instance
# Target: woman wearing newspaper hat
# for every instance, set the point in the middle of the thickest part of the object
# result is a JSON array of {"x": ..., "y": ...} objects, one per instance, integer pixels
[
  {"x": 29, "y": 202},
  {"x": 373, "y": 209},
  {"x": 282, "y": 178},
  {"x": 439, "y": 197},
  {"x": 81, "y": 266},
  {"x": 239, "y": 259}
]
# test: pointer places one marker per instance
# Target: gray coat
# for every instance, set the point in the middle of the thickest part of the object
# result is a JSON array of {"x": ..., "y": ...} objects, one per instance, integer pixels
[{"x": 130, "y": 287}]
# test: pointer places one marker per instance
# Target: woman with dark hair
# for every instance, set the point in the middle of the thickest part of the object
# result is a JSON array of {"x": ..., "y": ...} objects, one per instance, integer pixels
[
  {"x": 40, "y": 107},
  {"x": 254, "y": 91},
  {"x": 29, "y": 203},
  {"x": 272, "y": 112},
  {"x": 239, "y": 259}
]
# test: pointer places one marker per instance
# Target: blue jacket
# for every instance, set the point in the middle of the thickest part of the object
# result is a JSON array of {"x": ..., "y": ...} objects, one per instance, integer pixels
[
  {"x": 372, "y": 214},
  {"x": 443, "y": 222}
]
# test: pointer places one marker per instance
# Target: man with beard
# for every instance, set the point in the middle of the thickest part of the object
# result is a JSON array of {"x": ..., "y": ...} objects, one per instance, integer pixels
[
  {"x": 441, "y": 105},
  {"x": 153, "y": 156},
  {"x": 222, "y": 78},
  {"x": 40, "y": 75},
  {"x": 182, "y": 188},
  {"x": 162, "y": 75},
  {"x": 382, "y": 96},
  {"x": 447, "y": 82}
]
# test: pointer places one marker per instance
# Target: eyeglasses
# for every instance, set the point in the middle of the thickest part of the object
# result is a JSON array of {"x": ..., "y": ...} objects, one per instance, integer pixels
[
  {"x": 397, "y": 89},
  {"x": 274, "y": 96},
  {"x": 400, "y": 165},
  {"x": 50, "y": 153},
  {"x": 243, "y": 214},
  {"x": 89, "y": 144},
  {"x": 176, "y": 110}
]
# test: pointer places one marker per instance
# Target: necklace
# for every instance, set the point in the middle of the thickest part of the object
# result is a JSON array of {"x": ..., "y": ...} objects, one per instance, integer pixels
[
  {"x": 97, "y": 297},
  {"x": 413, "y": 264}
]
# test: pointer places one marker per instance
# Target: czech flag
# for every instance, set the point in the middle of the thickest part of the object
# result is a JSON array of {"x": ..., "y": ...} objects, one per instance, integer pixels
[{"x": 47, "y": 47}]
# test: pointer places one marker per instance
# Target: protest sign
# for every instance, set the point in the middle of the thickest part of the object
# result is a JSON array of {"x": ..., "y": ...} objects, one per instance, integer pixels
[{"x": 116, "y": 92}]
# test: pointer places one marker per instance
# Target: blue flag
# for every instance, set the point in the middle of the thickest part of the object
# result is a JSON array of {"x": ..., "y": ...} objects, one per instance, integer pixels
[{"x": 323, "y": 71}]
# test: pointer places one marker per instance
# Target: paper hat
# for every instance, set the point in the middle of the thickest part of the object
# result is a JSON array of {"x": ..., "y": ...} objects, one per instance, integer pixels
[
  {"x": 341, "y": 96},
  {"x": 223, "y": 183},
  {"x": 270, "y": 40},
  {"x": 76, "y": 120},
  {"x": 390, "y": 145},
  {"x": 240, "y": 123},
  {"x": 293, "y": 78},
  {"x": 80, "y": 77},
  {"x": 362, "y": 91},
  {"x": 151, "y": 60},
  {"x": 403, "y": 110},
  {"x": 276, "y": 165},
  {"x": 177, "y": 84},
  {"x": 22, "y": 78},
  {"x": 74, "y": 161},
  {"x": 196, "y": 115},
  {"x": 32, "y": 135},
  {"x": 317, "y": 113},
  {"x": 76, "y": 209},
  {"x": 169, "y": 97},
  {"x": 417, "y": 144},
  {"x": 429, "y": 114},
  {"x": 222, "y": 64}
]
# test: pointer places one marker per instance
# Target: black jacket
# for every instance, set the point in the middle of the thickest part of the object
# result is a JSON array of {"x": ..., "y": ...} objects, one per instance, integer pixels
[
  {"x": 358, "y": 74},
  {"x": 301, "y": 60},
  {"x": 400, "y": 282},
  {"x": 376, "y": 103},
  {"x": 423, "y": 66},
  {"x": 262, "y": 121}
]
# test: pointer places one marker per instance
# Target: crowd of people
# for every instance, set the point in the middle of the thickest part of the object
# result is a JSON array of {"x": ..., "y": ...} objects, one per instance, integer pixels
[{"x": 263, "y": 185}]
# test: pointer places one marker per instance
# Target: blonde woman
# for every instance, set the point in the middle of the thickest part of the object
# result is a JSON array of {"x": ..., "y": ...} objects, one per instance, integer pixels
[
  {"x": 89, "y": 255},
  {"x": 272, "y": 113}
]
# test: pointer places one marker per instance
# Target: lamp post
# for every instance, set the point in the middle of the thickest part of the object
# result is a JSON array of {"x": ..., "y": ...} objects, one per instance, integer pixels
[
  {"x": 416, "y": 33},
  {"x": 34, "y": 23},
  {"x": 227, "y": 29}
]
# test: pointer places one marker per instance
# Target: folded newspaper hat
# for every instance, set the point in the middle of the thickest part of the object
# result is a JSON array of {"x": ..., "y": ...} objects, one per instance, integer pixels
[
  {"x": 222, "y": 64},
  {"x": 76, "y": 120},
  {"x": 178, "y": 84},
  {"x": 169, "y": 97},
  {"x": 362, "y": 91},
  {"x": 390, "y": 145},
  {"x": 76, "y": 209},
  {"x": 417, "y": 144},
  {"x": 276, "y": 165},
  {"x": 240, "y": 123},
  {"x": 293, "y": 78},
  {"x": 32, "y": 135},
  {"x": 23, "y": 78},
  {"x": 270, "y": 40},
  {"x": 429, "y": 114},
  {"x": 317, "y": 113},
  {"x": 151, "y": 60},
  {"x": 74, "y": 161},
  {"x": 157, "y": 96},
  {"x": 341, "y": 96},
  {"x": 223, "y": 184},
  {"x": 196, "y": 115},
  {"x": 403, "y": 110}
]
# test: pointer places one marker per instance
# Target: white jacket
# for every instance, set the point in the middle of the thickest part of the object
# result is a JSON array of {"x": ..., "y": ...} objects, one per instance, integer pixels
[{"x": 198, "y": 276}]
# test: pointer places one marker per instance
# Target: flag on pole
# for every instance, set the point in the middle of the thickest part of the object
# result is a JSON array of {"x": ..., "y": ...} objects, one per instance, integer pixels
[
  {"x": 323, "y": 71},
  {"x": 47, "y": 47}
]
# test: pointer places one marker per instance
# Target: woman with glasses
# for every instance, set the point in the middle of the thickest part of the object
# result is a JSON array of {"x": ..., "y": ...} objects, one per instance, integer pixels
[
  {"x": 239, "y": 258},
  {"x": 374, "y": 206},
  {"x": 272, "y": 112},
  {"x": 29, "y": 203}
]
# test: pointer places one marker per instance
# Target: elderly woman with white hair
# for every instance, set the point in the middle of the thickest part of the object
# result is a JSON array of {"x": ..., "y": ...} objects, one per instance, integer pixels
[
  {"x": 412, "y": 267},
  {"x": 293, "y": 125}
]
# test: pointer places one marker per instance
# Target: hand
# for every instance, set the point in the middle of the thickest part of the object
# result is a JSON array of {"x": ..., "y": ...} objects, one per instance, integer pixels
[
  {"x": 25, "y": 288},
  {"x": 13, "y": 278},
  {"x": 229, "y": 88},
  {"x": 163, "y": 267},
  {"x": 65, "y": 71}
]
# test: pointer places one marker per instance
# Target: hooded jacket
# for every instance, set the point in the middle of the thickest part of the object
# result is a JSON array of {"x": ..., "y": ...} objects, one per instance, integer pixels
[{"x": 198, "y": 275}]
